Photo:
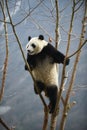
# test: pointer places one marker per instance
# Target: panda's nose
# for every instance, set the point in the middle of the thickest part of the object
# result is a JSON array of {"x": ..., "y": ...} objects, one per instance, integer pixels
[{"x": 29, "y": 51}]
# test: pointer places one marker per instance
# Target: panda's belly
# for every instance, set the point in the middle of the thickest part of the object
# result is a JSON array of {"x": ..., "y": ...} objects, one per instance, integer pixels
[{"x": 46, "y": 72}]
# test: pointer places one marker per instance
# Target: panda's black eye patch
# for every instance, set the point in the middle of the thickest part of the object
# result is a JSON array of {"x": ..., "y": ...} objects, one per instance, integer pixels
[{"x": 33, "y": 45}]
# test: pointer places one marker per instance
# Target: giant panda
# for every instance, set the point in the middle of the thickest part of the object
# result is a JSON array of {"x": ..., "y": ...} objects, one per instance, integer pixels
[{"x": 42, "y": 58}]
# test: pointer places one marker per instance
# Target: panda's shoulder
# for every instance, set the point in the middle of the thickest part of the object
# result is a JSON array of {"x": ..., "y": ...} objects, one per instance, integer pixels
[{"x": 49, "y": 49}]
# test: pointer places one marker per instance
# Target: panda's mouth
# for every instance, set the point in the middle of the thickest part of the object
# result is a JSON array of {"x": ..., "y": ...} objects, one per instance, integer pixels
[{"x": 30, "y": 52}]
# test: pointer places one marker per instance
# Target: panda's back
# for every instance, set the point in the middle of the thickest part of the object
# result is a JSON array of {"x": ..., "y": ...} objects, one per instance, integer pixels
[{"x": 46, "y": 71}]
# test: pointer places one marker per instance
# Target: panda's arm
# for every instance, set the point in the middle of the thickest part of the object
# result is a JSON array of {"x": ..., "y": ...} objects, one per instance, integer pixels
[
  {"x": 56, "y": 55},
  {"x": 31, "y": 59},
  {"x": 26, "y": 68}
]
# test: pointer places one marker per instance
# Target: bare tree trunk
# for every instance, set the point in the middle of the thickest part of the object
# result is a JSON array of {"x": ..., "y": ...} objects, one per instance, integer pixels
[
  {"x": 6, "y": 59},
  {"x": 54, "y": 115},
  {"x": 46, "y": 117}
]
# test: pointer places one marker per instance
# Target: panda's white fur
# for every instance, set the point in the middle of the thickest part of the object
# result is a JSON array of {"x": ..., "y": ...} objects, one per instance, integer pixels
[{"x": 46, "y": 73}]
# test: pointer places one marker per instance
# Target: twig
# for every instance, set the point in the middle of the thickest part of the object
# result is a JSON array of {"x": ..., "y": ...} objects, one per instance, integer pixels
[
  {"x": 4, "y": 124},
  {"x": 41, "y": 27},
  {"x": 74, "y": 35},
  {"x": 79, "y": 5},
  {"x": 67, "y": 4},
  {"x": 29, "y": 13},
  {"x": 79, "y": 49},
  {"x": 4, "y": 21},
  {"x": 57, "y": 23}
]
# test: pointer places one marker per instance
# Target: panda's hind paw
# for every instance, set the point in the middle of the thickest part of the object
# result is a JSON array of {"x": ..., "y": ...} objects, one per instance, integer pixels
[{"x": 51, "y": 108}]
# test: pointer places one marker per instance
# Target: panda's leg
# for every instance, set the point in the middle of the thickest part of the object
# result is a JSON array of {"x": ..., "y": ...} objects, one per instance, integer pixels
[
  {"x": 52, "y": 93},
  {"x": 40, "y": 86}
]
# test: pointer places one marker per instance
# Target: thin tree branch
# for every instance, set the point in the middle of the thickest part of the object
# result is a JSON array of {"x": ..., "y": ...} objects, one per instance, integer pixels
[
  {"x": 67, "y": 4},
  {"x": 77, "y": 2},
  {"x": 79, "y": 5},
  {"x": 46, "y": 117},
  {"x": 6, "y": 58},
  {"x": 4, "y": 124},
  {"x": 41, "y": 27},
  {"x": 57, "y": 23},
  {"x": 54, "y": 115},
  {"x": 78, "y": 49},
  {"x": 4, "y": 21}
]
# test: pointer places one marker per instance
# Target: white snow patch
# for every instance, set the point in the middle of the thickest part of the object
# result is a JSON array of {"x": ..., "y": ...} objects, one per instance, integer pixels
[{"x": 4, "y": 109}]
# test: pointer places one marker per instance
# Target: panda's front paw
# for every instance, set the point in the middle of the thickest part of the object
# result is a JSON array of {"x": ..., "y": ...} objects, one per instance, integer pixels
[
  {"x": 26, "y": 68},
  {"x": 36, "y": 92},
  {"x": 67, "y": 61}
]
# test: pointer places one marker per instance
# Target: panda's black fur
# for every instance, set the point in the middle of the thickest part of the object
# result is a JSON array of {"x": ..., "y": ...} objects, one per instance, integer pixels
[{"x": 50, "y": 55}]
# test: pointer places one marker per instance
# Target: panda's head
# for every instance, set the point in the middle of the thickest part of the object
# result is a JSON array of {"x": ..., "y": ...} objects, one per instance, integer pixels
[{"x": 36, "y": 44}]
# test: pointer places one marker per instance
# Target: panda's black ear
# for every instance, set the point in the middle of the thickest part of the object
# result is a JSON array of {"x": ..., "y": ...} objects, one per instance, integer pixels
[
  {"x": 41, "y": 37},
  {"x": 29, "y": 38}
]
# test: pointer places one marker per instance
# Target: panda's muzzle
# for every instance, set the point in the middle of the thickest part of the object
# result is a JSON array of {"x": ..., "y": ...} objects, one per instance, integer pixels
[{"x": 30, "y": 52}]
